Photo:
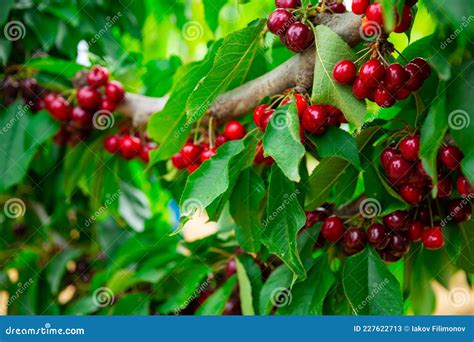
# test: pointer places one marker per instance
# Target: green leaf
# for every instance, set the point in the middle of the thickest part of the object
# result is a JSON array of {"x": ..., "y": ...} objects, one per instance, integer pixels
[
  {"x": 432, "y": 135},
  {"x": 83, "y": 306},
  {"x": 308, "y": 296},
  {"x": 370, "y": 287},
  {"x": 275, "y": 288},
  {"x": 422, "y": 297},
  {"x": 330, "y": 49},
  {"x": 244, "y": 208},
  {"x": 337, "y": 143},
  {"x": 466, "y": 258},
  {"x": 212, "y": 9},
  {"x": 453, "y": 12},
  {"x": 57, "y": 267},
  {"x": 134, "y": 206},
  {"x": 231, "y": 65},
  {"x": 245, "y": 288},
  {"x": 169, "y": 128},
  {"x": 284, "y": 219},
  {"x": 282, "y": 141},
  {"x": 389, "y": 12},
  {"x": 5, "y": 49},
  {"x": 215, "y": 304},
  {"x": 44, "y": 26},
  {"x": 67, "y": 12},
  {"x": 136, "y": 304},
  {"x": 67, "y": 69},
  {"x": 159, "y": 76},
  {"x": 6, "y": 7}
]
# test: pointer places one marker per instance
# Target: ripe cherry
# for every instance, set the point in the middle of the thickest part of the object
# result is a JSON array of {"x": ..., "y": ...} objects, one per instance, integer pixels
[
  {"x": 98, "y": 76},
  {"x": 208, "y": 154},
  {"x": 398, "y": 169},
  {"x": 301, "y": 103},
  {"x": 383, "y": 97},
  {"x": 279, "y": 21},
  {"x": 318, "y": 215},
  {"x": 410, "y": 148},
  {"x": 220, "y": 140},
  {"x": 337, "y": 7},
  {"x": 287, "y": 3},
  {"x": 395, "y": 77},
  {"x": 258, "y": 112},
  {"x": 450, "y": 156},
  {"x": 460, "y": 210},
  {"x": 402, "y": 94},
  {"x": 372, "y": 73},
  {"x": 315, "y": 119},
  {"x": 403, "y": 23},
  {"x": 234, "y": 130},
  {"x": 260, "y": 156},
  {"x": 424, "y": 67},
  {"x": 412, "y": 194},
  {"x": 360, "y": 90},
  {"x": 333, "y": 229},
  {"x": 112, "y": 143},
  {"x": 144, "y": 153},
  {"x": 130, "y": 146},
  {"x": 377, "y": 236},
  {"x": 360, "y": 6},
  {"x": 445, "y": 187},
  {"x": 299, "y": 37},
  {"x": 114, "y": 91},
  {"x": 48, "y": 99},
  {"x": 107, "y": 105},
  {"x": 60, "y": 109},
  {"x": 354, "y": 240},
  {"x": 415, "y": 230},
  {"x": 80, "y": 117},
  {"x": 399, "y": 245},
  {"x": 374, "y": 13},
  {"x": 465, "y": 189},
  {"x": 88, "y": 98},
  {"x": 178, "y": 161},
  {"x": 398, "y": 220},
  {"x": 191, "y": 153},
  {"x": 433, "y": 238},
  {"x": 193, "y": 167},
  {"x": 344, "y": 72},
  {"x": 386, "y": 156},
  {"x": 416, "y": 77}
]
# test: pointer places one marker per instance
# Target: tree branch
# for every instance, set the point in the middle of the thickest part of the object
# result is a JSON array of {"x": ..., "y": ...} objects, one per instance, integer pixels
[{"x": 297, "y": 73}]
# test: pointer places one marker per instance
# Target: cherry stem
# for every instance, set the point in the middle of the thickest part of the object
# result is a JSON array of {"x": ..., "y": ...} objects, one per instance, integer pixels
[
  {"x": 196, "y": 132},
  {"x": 383, "y": 58},
  {"x": 211, "y": 132},
  {"x": 369, "y": 51},
  {"x": 400, "y": 54},
  {"x": 420, "y": 107}
]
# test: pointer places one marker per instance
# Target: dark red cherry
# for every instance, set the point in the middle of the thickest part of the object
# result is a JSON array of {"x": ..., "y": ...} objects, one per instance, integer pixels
[
  {"x": 114, "y": 91},
  {"x": 402, "y": 94},
  {"x": 354, "y": 240},
  {"x": 395, "y": 77},
  {"x": 220, "y": 140},
  {"x": 258, "y": 112},
  {"x": 460, "y": 210},
  {"x": 88, "y": 98},
  {"x": 208, "y": 154},
  {"x": 398, "y": 220},
  {"x": 315, "y": 119},
  {"x": 403, "y": 23},
  {"x": 410, "y": 148},
  {"x": 130, "y": 147},
  {"x": 360, "y": 6},
  {"x": 415, "y": 80},
  {"x": 378, "y": 236},
  {"x": 399, "y": 245},
  {"x": 415, "y": 230},
  {"x": 445, "y": 187},
  {"x": 301, "y": 103},
  {"x": 144, "y": 153},
  {"x": 433, "y": 238},
  {"x": 412, "y": 194},
  {"x": 344, "y": 72},
  {"x": 112, "y": 143},
  {"x": 287, "y": 3},
  {"x": 315, "y": 216},
  {"x": 107, "y": 105},
  {"x": 98, "y": 76},
  {"x": 178, "y": 161},
  {"x": 299, "y": 37},
  {"x": 333, "y": 229},
  {"x": 465, "y": 188},
  {"x": 60, "y": 109},
  {"x": 191, "y": 153},
  {"x": 398, "y": 169},
  {"x": 372, "y": 73},
  {"x": 386, "y": 156},
  {"x": 230, "y": 268},
  {"x": 374, "y": 13},
  {"x": 383, "y": 97},
  {"x": 81, "y": 118},
  {"x": 360, "y": 90},
  {"x": 450, "y": 156},
  {"x": 424, "y": 67},
  {"x": 279, "y": 21}
]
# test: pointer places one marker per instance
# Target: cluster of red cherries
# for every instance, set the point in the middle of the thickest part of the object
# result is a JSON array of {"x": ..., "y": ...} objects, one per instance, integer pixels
[
  {"x": 192, "y": 155},
  {"x": 405, "y": 172},
  {"x": 130, "y": 146},
  {"x": 380, "y": 84},
  {"x": 287, "y": 22},
  {"x": 373, "y": 13},
  {"x": 77, "y": 121}
]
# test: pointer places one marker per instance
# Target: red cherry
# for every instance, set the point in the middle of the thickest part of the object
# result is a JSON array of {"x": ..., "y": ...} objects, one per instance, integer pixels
[
  {"x": 258, "y": 112},
  {"x": 354, "y": 240},
  {"x": 112, "y": 143},
  {"x": 301, "y": 103},
  {"x": 61, "y": 137},
  {"x": 398, "y": 220},
  {"x": 315, "y": 216},
  {"x": 451, "y": 156},
  {"x": 398, "y": 169},
  {"x": 265, "y": 119},
  {"x": 88, "y": 98},
  {"x": 433, "y": 238},
  {"x": 193, "y": 167},
  {"x": 287, "y": 3},
  {"x": 191, "y": 153},
  {"x": 107, "y": 105},
  {"x": 411, "y": 194},
  {"x": 374, "y": 13},
  {"x": 372, "y": 73},
  {"x": 378, "y": 236},
  {"x": 416, "y": 77},
  {"x": 220, "y": 140},
  {"x": 234, "y": 130},
  {"x": 360, "y": 6},
  {"x": 60, "y": 109},
  {"x": 299, "y": 37},
  {"x": 386, "y": 156},
  {"x": 399, "y": 245},
  {"x": 130, "y": 146},
  {"x": 337, "y": 7},
  {"x": 445, "y": 187},
  {"x": 424, "y": 67},
  {"x": 360, "y": 90},
  {"x": 48, "y": 99},
  {"x": 208, "y": 154},
  {"x": 415, "y": 230},
  {"x": 395, "y": 77},
  {"x": 315, "y": 118},
  {"x": 230, "y": 268},
  {"x": 410, "y": 148},
  {"x": 344, "y": 72},
  {"x": 465, "y": 189},
  {"x": 279, "y": 21},
  {"x": 460, "y": 210},
  {"x": 260, "y": 156},
  {"x": 38, "y": 104},
  {"x": 404, "y": 23},
  {"x": 114, "y": 91},
  {"x": 383, "y": 97},
  {"x": 178, "y": 161},
  {"x": 333, "y": 229},
  {"x": 98, "y": 76},
  {"x": 81, "y": 117},
  {"x": 402, "y": 94}
]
